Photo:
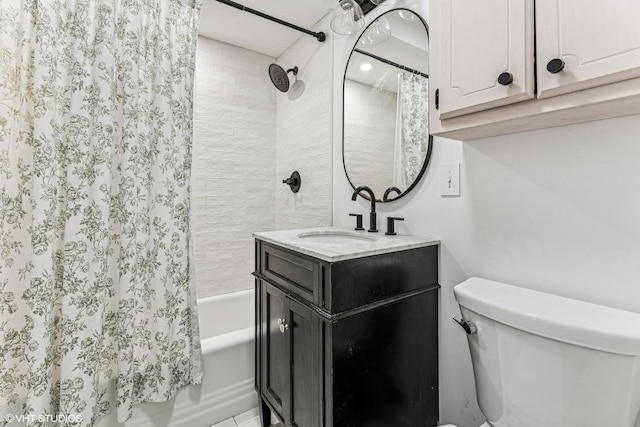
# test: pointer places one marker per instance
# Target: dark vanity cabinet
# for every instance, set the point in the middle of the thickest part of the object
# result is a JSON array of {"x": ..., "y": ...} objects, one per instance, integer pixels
[{"x": 351, "y": 343}]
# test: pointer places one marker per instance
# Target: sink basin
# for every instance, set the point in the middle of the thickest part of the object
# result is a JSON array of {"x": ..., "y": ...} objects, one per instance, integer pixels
[{"x": 336, "y": 236}]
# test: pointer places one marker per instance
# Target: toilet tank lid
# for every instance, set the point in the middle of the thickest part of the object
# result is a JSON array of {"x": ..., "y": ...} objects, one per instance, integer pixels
[{"x": 551, "y": 316}]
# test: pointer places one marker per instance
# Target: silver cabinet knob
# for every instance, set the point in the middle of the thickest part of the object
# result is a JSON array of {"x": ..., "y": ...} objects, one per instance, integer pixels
[{"x": 284, "y": 326}]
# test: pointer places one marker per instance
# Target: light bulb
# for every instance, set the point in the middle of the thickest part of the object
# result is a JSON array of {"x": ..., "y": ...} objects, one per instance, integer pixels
[
  {"x": 348, "y": 18},
  {"x": 378, "y": 32}
]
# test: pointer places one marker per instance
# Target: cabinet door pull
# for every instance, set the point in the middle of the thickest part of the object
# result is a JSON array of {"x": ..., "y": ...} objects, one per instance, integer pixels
[
  {"x": 555, "y": 65},
  {"x": 505, "y": 79},
  {"x": 284, "y": 326}
]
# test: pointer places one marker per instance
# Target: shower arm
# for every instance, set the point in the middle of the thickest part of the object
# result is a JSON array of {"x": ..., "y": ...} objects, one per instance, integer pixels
[{"x": 319, "y": 36}]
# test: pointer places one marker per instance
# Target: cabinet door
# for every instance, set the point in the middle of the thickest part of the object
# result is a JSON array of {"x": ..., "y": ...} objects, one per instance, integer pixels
[
  {"x": 598, "y": 41},
  {"x": 477, "y": 42},
  {"x": 275, "y": 359},
  {"x": 290, "y": 362},
  {"x": 302, "y": 409}
]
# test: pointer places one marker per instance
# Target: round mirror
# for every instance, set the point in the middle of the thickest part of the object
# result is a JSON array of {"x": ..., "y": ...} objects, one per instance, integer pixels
[{"x": 386, "y": 143}]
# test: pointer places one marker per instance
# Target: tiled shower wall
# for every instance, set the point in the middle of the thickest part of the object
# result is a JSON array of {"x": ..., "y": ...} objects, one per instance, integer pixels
[
  {"x": 248, "y": 137},
  {"x": 234, "y": 157},
  {"x": 304, "y": 135}
]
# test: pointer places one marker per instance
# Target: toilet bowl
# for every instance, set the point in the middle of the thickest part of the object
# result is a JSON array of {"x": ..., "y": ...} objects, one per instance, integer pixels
[{"x": 544, "y": 360}]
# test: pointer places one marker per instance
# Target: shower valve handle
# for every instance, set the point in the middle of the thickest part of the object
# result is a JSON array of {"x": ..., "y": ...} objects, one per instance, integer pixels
[
  {"x": 284, "y": 326},
  {"x": 294, "y": 181}
]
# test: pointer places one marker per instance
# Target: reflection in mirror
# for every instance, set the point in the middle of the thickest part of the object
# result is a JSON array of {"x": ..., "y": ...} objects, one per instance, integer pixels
[{"x": 386, "y": 142}]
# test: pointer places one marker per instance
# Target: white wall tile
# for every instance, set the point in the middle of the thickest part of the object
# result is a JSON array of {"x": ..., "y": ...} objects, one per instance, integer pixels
[
  {"x": 234, "y": 159},
  {"x": 248, "y": 137},
  {"x": 304, "y": 135}
]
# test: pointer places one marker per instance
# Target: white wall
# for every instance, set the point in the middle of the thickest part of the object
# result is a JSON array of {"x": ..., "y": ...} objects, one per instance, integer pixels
[
  {"x": 304, "y": 135},
  {"x": 234, "y": 155},
  {"x": 555, "y": 210}
]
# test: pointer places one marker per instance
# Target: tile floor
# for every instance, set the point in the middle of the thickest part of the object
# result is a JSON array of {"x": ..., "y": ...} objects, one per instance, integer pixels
[{"x": 251, "y": 418}]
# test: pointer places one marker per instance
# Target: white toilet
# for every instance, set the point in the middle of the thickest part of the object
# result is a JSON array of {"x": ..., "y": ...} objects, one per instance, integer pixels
[{"x": 542, "y": 360}]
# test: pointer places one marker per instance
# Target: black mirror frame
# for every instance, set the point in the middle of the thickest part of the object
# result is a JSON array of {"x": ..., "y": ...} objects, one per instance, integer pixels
[{"x": 425, "y": 164}]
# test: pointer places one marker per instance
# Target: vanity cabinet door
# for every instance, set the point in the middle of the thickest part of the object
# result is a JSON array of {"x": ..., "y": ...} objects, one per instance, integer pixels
[
  {"x": 302, "y": 409},
  {"x": 478, "y": 42},
  {"x": 598, "y": 42},
  {"x": 290, "y": 362},
  {"x": 273, "y": 348}
]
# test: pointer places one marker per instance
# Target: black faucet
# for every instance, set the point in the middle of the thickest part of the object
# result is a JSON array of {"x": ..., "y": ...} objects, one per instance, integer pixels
[
  {"x": 389, "y": 190},
  {"x": 372, "y": 216}
]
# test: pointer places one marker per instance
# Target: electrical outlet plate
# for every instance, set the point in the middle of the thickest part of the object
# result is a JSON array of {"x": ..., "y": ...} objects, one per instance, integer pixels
[{"x": 450, "y": 179}]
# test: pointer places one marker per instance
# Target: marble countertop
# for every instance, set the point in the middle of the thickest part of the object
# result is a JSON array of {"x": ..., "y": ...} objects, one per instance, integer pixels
[{"x": 337, "y": 244}]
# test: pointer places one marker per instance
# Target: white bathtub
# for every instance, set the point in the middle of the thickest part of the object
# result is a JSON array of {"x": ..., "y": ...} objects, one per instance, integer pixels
[{"x": 227, "y": 334}]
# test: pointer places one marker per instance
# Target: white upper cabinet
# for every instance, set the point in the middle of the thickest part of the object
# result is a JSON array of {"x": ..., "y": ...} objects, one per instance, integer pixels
[
  {"x": 483, "y": 80},
  {"x": 593, "y": 42},
  {"x": 486, "y": 55}
]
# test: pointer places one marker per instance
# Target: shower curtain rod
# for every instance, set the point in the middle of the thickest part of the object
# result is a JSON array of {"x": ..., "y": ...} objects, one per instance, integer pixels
[
  {"x": 395, "y": 64},
  {"x": 320, "y": 36}
]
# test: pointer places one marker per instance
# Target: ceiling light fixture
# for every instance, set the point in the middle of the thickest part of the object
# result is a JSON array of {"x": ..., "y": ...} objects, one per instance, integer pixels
[
  {"x": 366, "y": 66},
  {"x": 348, "y": 18},
  {"x": 378, "y": 32}
]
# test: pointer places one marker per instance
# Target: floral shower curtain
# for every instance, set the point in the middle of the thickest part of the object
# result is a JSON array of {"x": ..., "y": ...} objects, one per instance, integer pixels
[
  {"x": 412, "y": 128},
  {"x": 97, "y": 303}
]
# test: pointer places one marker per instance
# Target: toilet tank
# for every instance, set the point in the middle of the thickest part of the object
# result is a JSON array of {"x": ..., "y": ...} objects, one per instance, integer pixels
[{"x": 542, "y": 360}]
